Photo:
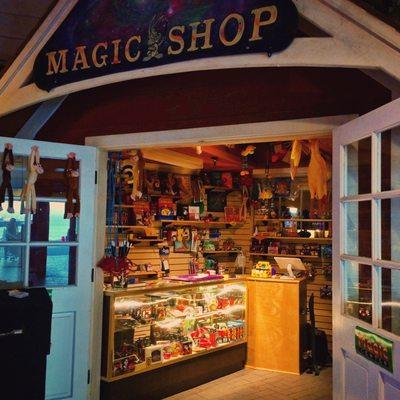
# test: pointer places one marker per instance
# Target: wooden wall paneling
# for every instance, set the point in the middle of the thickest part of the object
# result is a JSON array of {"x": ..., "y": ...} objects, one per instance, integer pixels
[{"x": 323, "y": 307}]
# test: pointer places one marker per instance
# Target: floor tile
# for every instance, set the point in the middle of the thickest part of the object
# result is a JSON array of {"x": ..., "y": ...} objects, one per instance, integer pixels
[{"x": 250, "y": 384}]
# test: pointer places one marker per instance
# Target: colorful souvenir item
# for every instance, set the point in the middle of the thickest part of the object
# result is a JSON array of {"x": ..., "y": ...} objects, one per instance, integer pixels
[
  {"x": 317, "y": 177},
  {"x": 7, "y": 167},
  {"x": 164, "y": 262},
  {"x": 295, "y": 158},
  {"x": 28, "y": 196},
  {"x": 72, "y": 206},
  {"x": 133, "y": 171}
]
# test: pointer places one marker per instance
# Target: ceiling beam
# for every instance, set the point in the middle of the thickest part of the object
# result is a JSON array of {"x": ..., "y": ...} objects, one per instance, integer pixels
[
  {"x": 224, "y": 155},
  {"x": 39, "y": 118},
  {"x": 173, "y": 158}
]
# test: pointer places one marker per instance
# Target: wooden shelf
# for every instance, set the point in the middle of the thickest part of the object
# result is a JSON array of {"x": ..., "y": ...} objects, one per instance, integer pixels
[
  {"x": 286, "y": 255},
  {"x": 143, "y": 273},
  {"x": 221, "y": 251},
  {"x": 204, "y": 224},
  {"x": 299, "y": 239},
  {"x": 259, "y": 219},
  {"x": 315, "y": 258},
  {"x": 151, "y": 241},
  {"x": 175, "y": 360}
]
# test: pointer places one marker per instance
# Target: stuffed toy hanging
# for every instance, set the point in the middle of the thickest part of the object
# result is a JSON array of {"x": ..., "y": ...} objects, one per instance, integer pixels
[
  {"x": 295, "y": 158},
  {"x": 28, "y": 195},
  {"x": 73, "y": 204},
  {"x": 317, "y": 178},
  {"x": 7, "y": 167},
  {"x": 133, "y": 172}
]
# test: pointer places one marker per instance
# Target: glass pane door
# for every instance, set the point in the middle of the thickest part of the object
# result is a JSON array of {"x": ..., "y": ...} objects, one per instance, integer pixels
[{"x": 370, "y": 211}]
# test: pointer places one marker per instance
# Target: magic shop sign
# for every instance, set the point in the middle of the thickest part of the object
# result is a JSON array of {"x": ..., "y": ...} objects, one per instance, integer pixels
[{"x": 102, "y": 37}]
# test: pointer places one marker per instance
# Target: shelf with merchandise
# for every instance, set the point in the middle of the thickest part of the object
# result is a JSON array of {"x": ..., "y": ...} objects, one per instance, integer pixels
[{"x": 155, "y": 328}]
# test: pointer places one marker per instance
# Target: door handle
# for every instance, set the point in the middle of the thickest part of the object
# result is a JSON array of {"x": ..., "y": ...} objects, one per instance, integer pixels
[{"x": 13, "y": 332}]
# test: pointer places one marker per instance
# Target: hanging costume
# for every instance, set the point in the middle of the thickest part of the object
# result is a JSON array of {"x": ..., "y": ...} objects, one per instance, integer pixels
[
  {"x": 28, "y": 195},
  {"x": 72, "y": 209},
  {"x": 7, "y": 166},
  {"x": 317, "y": 177}
]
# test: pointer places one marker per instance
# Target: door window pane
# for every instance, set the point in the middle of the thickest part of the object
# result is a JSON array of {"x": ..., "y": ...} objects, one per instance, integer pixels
[
  {"x": 358, "y": 291},
  {"x": 358, "y": 162},
  {"x": 358, "y": 228},
  {"x": 390, "y": 159},
  {"x": 391, "y": 300},
  {"x": 11, "y": 266},
  {"x": 53, "y": 182},
  {"x": 19, "y": 174},
  {"x": 390, "y": 226},
  {"x": 52, "y": 266},
  {"x": 12, "y": 226},
  {"x": 49, "y": 225}
]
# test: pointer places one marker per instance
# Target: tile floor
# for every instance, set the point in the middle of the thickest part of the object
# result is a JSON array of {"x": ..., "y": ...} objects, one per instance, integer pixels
[{"x": 251, "y": 384}]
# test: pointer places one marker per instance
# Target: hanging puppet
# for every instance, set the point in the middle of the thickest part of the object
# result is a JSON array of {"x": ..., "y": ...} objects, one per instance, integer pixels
[
  {"x": 295, "y": 158},
  {"x": 28, "y": 196},
  {"x": 246, "y": 181},
  {"x": 7, "y": 167},
  {"x": 133, "y": 173},
  {"x": 317, "y": 179},
  {"x": 73, "y": 204}
]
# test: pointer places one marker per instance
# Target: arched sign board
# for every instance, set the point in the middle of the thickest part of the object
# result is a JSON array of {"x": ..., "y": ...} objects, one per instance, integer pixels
[{"x": 103, "y": 37}]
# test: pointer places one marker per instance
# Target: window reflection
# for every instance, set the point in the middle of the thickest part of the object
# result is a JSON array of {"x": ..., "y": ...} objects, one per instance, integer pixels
[
  {"x": 358, "y": 228},
  {"x": 49, "y": 225},
  {"x": 358, "y": 284},
  {"x": 358, "y": 162},
  {"x": 12, "y": 226},
  {"x": 391, "y": 300},
  {"x": 52, "y": 266},
  {"x": 11, "y": 266}
]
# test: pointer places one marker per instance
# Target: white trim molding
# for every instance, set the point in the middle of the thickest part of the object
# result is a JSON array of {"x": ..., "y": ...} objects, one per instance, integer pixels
[
  {"x": 225, "y": 134},
  {"x": 359, "y": 40}
]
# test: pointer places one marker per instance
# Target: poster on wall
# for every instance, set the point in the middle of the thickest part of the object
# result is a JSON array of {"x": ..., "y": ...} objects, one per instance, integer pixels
[
  {"x": 374, "y": 348},
  {"x": 103, "y": 37}
]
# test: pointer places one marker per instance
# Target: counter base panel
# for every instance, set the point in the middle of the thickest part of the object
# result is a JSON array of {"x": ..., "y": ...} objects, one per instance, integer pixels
[{"x": 175, "y": 378}]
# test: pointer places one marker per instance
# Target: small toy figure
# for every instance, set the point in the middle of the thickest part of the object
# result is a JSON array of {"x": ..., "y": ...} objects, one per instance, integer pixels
[
  {"x": 28, "y": 195},
  {"x": 73, "y": 205},
  {"x": 248, "y": 151},
  {"x": 7, "y": 167}
]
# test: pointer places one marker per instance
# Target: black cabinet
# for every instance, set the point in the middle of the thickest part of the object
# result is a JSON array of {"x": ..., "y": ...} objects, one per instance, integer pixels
[{"x": 25, "y": 329}]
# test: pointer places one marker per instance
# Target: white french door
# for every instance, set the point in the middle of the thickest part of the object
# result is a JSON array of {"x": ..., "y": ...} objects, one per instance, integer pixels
[
  {"x": 366, "y": 248},
  {"x": 49, "y": 251}
]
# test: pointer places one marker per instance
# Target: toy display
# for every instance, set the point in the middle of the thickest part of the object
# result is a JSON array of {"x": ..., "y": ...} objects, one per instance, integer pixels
[
  {"x": 263, "y": 269},
  {"x": 28, "y": 195},
  {"x": 164, "y": 262},
  {"x": 73, "y": 204},
  {"x": 157, "y": 327},
  {"x": 7, "y": 166}
]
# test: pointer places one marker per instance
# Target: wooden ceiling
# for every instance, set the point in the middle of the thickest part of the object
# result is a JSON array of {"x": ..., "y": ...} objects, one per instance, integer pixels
[
  {"x": 228, "y": 158},
  {"x": 18, "y": 20}
]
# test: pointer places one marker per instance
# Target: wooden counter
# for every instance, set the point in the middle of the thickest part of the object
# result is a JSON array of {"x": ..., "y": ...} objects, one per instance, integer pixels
[{"x": 276, "y": 315}]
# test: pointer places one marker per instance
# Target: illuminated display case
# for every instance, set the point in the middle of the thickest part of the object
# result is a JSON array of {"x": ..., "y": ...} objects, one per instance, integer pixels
[{"x": 148, "y": 328}]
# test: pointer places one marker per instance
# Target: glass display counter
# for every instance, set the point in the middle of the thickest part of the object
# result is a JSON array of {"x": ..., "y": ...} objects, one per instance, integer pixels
[{"x": 148, "y": 328}]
